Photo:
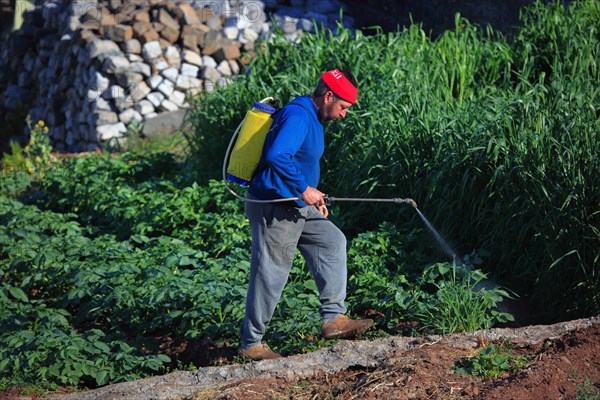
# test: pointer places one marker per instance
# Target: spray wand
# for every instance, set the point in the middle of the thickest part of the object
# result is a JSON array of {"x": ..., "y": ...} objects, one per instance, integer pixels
[{"x": 329, "y": 200}]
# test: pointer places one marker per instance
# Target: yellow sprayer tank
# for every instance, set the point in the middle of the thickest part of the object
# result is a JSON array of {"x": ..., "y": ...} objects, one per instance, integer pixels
[{"x": 248, "y": 147}]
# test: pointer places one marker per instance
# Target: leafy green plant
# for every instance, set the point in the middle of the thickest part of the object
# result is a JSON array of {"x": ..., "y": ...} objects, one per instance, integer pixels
[
  {"x": 460, "y": 301},
  {"x": 491, "y": 361},
  {"x": 587, "y": 391},
  {"x": 36, "y": 157}
]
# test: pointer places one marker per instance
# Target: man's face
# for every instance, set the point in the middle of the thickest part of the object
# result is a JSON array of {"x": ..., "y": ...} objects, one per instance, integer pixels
[{"x": 333, "y": 110}]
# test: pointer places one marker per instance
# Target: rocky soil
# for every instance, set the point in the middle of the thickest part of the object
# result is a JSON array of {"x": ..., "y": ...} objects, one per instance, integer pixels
[{"x": 562, "y": 363}]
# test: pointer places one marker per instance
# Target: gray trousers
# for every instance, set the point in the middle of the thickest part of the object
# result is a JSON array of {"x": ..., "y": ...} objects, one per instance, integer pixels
[{"x": 277, "y": 230}]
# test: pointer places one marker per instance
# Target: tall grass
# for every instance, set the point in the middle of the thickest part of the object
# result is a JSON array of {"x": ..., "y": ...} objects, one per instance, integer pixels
[{"x": 496, "y": 139}]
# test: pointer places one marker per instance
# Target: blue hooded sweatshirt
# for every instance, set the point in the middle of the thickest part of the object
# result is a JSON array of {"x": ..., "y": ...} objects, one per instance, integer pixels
[{"x": 290, "y": 158}]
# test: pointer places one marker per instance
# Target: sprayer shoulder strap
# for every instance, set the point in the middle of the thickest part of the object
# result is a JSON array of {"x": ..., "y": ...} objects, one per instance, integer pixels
[
  {"x": 264, "y": 166},
  {"x": 279, "y": 110}
]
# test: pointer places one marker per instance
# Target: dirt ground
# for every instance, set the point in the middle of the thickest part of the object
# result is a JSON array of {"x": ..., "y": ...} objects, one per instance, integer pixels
[{"x": 567, "y": 367}]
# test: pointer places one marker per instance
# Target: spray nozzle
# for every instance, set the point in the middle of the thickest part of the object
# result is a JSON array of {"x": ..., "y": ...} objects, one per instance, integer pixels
[{"x": 408, "y": 201}]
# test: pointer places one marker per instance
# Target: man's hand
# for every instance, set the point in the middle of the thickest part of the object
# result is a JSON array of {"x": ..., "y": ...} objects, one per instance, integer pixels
[
  {"x": 313, "y": 197},
  {"x": 323, "y": 210}
]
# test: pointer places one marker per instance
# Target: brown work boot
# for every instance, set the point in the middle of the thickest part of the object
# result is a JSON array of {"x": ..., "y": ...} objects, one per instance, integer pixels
[
  {"x": 344, "y": 327},
  {"x": 259, "y": 352}
]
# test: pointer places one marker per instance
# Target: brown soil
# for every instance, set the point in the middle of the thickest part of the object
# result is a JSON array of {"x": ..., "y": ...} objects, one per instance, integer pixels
[{"x": 560, "y": 368}]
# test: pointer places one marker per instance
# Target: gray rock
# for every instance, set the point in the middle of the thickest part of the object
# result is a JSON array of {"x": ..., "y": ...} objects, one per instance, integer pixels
[
  {"x": 210, "y": 74},
  {"x": 190, "y": 57},
  {"x": 114, "y": 92},
  {"x": 214, "y": 23},
  {"x": 208, "y": 61},
  {"x": 265, "y": 30},
  {"x": 209, "y": 86},
  {"x": 151, "y": 50},
  {"x": 306, "y": 25},
  {"x": 110, "y": 131},
  {"x": 138, "y": 91},
  {"x": 99, "y": 82},
  {"x": 171, "y": 74},
  {"x": 115, "y": 64},
  {"x": 141, "y": 68},
  {"x": 241, "y": 39},
  {"x": 234, "y": 66},
  {"x": 155, "y": 98},
  {"x": 123, "y": 103},
  {"x": 249, "y": 34},
  {"x": 167, "y": 105},
  {"x": 289, "y": 25},
  {"x": 166, "y": 87},
  {"x": 189, "y": 14},
  {"x": 93, "y": 95},
  {"x": 224, "y": 68},
  {"x": 187, "y": 82},
  {"x": 177, "y": 98},
  {"x": 150, "y": 116},
  {"x": 154, "y": 81},
  {"x": 101, "y": 117},
  {"x": 189, "y": 70},
  {"x": 98, "y": 46},
  {"x": 160, "y": 65},
  {"x": 125, "y": 79},
  {"x": 144, "y": 107},
  {"x": 118, "y": 33},
  {"x": 100, "y": 104},
  {"x": 227, "y": 52},
  {"x": 231, "y": 32},
  {"x": 172, "y": 56},
  {"x": 133, "y": 58},
  {"x": 130, "y": 115},
  {"x": 163, "y": 123},
  {"x": 132, "y": 46},
  {"x": 165, "y": 18}
]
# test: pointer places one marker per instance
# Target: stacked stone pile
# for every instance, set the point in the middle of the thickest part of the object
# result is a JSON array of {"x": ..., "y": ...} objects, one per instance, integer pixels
[{"x": 91, "y": 70}]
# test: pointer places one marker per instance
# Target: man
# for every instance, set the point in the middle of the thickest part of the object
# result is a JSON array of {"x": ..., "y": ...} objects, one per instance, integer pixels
[{"x": 289, "y": 167}]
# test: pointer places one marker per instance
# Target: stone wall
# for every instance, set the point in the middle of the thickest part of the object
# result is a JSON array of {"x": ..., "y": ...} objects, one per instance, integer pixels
[{"x": 92, "y": 70}]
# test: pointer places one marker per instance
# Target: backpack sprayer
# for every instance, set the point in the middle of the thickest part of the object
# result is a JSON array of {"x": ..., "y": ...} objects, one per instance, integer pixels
[{"x": 246, "y": 153}]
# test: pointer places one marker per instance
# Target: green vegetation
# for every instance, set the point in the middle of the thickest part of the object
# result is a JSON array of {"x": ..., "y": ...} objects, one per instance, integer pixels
[
  {"x": 119, "y": 250},
  {"x": 492, "y": 361},
  {"x": 587, "y": 391},
  {"x": 496, "y": 140},
  {"x": 460, "y": 302},
  {"x": 36, "y": 157}
]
